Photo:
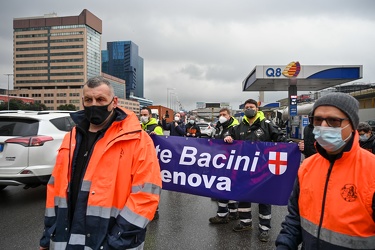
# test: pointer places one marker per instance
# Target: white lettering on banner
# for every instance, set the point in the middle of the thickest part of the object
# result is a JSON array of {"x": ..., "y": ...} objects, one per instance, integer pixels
[
  {"x": 205, "y": 160},
  {"x": 255, "y": 162},
  {"x": 195, "y": 180},
  {"x": 230, "y": 161},
  {"x": 166, "y": 176},
  {"x": 165, "y": 155},
  {"x": 216, "y": 157},
  {"x": 189, "y": 154}
]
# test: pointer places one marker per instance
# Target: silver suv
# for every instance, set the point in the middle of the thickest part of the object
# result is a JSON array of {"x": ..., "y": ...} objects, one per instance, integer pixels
[
  {"x": 206, "y": 129},
  {"x": 29, "y": 141}
]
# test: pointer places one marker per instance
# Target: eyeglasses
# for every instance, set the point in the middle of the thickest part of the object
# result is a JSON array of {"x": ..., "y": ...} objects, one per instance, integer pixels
[{"x": 331, "y": 121}]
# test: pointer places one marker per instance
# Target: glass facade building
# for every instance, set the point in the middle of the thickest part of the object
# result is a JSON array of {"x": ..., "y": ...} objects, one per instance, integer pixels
[
  {"x": 121, "y": 60},
  {"x": 93, "y": 52}
]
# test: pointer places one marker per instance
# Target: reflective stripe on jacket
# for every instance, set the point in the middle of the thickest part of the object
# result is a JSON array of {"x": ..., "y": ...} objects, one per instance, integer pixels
[{"x": 119, "y": 192}]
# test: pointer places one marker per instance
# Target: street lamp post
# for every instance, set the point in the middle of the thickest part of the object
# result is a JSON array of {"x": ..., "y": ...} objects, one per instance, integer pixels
[
  {"x": 8, "y": 88},
  {"x": 168, "y": 97},
  {"x": 172, "y": 101}
]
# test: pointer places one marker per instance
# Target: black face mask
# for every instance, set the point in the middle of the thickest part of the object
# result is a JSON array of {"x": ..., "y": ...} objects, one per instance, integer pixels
[
  {"x": 97, "y": 114},
  {"x": 250, "y": 113}
]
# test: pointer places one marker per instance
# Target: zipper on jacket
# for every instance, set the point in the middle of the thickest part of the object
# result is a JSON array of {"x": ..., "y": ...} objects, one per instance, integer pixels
[
  {"x": 69, "y": 179},
  {"x": 324, "y": 202}
]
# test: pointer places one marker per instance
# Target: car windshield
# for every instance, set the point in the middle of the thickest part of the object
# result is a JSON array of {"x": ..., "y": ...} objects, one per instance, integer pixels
[
  {"x": 18, "y": 127},
  {"x": 203, "y": 125}
]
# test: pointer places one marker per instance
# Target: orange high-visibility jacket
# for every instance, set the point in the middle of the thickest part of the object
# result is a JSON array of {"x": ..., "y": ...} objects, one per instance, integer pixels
[
  {"x": 119, "y": 192},
  {"x": 333, "y": 203}
]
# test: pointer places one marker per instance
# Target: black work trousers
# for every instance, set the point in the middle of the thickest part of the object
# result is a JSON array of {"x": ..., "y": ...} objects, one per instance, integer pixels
[
  {"x": 244, "y": 209},
  {"x": 226, "y": 206}
]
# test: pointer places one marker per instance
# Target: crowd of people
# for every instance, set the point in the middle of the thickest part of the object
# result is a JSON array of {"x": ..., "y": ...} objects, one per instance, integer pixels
[{"x": 105, "y": 187}]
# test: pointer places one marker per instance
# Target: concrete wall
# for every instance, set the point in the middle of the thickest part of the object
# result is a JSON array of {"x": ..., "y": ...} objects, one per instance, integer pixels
[{"x": 366, "y": 114}]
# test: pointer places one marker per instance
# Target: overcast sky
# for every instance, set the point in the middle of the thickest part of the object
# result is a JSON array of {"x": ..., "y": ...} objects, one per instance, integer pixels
[{"x": 205, "y": 48}]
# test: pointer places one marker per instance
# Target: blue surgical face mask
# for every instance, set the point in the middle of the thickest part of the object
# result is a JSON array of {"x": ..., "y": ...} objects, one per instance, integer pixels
[
  {"x": 329, "y": 137},
  {"x": 363, "y": 137}
]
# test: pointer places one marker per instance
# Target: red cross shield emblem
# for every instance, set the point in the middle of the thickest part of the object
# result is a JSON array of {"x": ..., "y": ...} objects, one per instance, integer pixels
[{"x": 278, "y": 162}]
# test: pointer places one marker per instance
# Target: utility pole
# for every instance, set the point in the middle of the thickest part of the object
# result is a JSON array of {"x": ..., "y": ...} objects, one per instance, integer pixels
[{"x": 8, "y": 89}]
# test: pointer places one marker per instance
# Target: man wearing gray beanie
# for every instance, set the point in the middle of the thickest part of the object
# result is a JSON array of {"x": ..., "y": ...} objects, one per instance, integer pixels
[
  {"x": 346, "y": 103},
  {"x": 332, "y": 205}
]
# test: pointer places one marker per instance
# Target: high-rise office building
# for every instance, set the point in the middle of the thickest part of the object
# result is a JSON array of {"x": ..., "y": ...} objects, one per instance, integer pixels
[
  {"x": 54, "y": 56},
  {"x": 119, "y": 89},
  {"x": 121, "y": 59}
]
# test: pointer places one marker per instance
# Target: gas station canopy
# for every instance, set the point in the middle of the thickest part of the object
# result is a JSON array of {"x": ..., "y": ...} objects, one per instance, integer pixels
[{"x": 305, "y": 78}]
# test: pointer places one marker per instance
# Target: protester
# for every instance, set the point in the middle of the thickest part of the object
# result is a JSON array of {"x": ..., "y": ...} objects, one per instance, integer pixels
[
  {"x": 176, "y": 128},
  {"x": 225, "y": 122},
  {"x": 307, "y": 146},
  {"x": 227, "y": 209},
  {"x": 105, "y": 185},
  {"x": 332, "y": 205},
  {"x": 149, "y": 124},
  {"x": 255, "y": 127},
  {"x": 366, "y": 137},
  {"x": 192, "y": 129}
]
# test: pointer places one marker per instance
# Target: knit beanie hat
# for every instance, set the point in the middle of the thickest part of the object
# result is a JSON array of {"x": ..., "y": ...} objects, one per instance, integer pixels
[{"x": 345, "y": 102}]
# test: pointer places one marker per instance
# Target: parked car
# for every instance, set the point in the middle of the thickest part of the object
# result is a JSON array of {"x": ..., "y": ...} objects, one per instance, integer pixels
[
  {"x": 206, "y": 129},
  {"x": 29, "y": 141},
  {"x": 372, "y": 124}
]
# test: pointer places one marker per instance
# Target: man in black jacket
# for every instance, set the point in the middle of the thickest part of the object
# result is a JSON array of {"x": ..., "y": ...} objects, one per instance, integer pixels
[
  {"x": 307, "y": 146},
  {"x": 227, "y": 209},
  {"x": 366, "y": 137},
  {"x": 255, "y": 127},
  {"x": 176, "y": 128},
  {"x": 332, "y": 205},
  {"x": 192, "y": 129}
]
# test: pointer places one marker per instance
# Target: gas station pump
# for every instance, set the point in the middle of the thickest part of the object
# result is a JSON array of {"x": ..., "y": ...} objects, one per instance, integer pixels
[
  {"x": 298, "y": 124},
  {"x": 304, "y": 123},
  {"x": 295, "y": 127},
  {"x": 293, "y": 117}
]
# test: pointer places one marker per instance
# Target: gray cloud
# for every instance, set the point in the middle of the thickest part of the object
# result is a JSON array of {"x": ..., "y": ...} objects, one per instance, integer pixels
[{"x": 204, "y": 49}]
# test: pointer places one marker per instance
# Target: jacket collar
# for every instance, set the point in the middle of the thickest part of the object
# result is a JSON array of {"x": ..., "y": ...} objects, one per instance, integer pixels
[
  {"x": 351, "y": 146},
  {"x": 258, "y": 117},
  {"x": 83, "y": 124}
]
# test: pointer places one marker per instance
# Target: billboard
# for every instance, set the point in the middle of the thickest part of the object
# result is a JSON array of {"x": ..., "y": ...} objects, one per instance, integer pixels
[{"x": 212, "y": 105}]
